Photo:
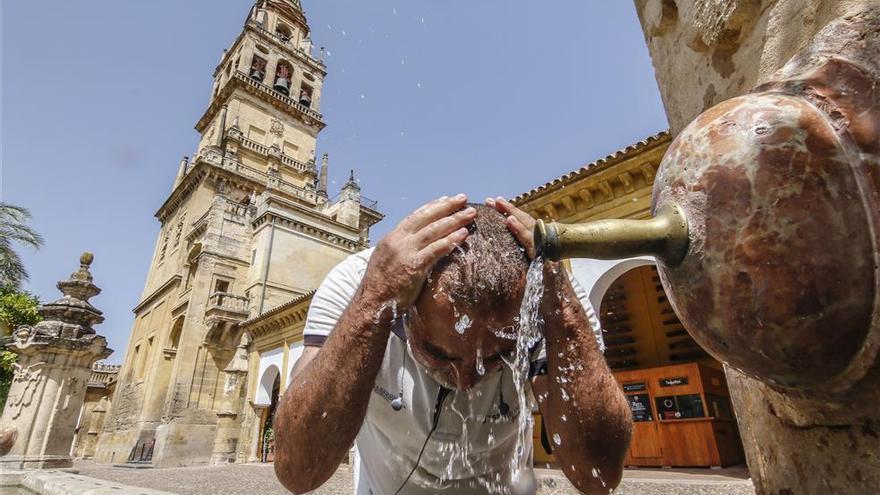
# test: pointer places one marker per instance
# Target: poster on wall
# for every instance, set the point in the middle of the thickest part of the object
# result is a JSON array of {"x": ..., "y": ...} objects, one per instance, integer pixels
[{"x": 640, "y": 405}]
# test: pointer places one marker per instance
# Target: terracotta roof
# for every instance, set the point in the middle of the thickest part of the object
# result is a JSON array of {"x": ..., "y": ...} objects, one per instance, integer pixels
[
  {"x": 615, "y": 157},
  {"x": 278, "y": 309}
]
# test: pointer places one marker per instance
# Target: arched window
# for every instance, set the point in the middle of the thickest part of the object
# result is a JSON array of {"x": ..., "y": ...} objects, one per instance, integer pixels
[
  {"x": 283, "y": 75},
  {"x": 305, "y": 95},
  {"x": 283, "y": 32},
  {"x": 258, "y": 68},
  {"x": 174, "y": 336}
]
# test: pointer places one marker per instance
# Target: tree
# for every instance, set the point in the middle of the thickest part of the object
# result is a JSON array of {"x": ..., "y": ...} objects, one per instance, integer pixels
[
  {"x": 13, "y": 230},
  {"x": 16, "y": 308}
]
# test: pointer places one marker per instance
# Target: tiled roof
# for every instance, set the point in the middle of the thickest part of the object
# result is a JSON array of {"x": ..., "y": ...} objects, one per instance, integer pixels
[
  {"x": 615, "y": 157},
  {"x": 278, "y": 309}
]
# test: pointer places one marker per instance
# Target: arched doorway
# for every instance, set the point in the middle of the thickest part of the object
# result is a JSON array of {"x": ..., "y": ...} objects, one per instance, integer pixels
[
  {"x": 640, "y": 327},
  {"x": 677, "y": 393},
  {"x": 270, "y": 385}
]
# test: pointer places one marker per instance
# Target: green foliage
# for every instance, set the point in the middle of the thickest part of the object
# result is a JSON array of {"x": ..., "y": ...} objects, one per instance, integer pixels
[
  {"x": 7, "y": 371},
  {"x": 13, "y": 230},
  {"x": 16, "y": 308}
]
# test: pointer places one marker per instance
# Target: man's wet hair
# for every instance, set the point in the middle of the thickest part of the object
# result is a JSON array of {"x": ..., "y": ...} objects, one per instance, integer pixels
[{"x": 487, "y": 269}]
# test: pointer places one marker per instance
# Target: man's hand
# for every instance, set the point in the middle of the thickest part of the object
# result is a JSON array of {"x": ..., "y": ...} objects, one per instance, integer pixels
[
  {"x": 520, "y": 223},
  {"x": 402, "y": 260}
]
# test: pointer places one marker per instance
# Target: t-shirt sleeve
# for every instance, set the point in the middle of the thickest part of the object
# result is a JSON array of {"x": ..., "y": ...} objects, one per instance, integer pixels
[
  {"x": 539, "y": 352},
  {"x": 333, "y": 297}
]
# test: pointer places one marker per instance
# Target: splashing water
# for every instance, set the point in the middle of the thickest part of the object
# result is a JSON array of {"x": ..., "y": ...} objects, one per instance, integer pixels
[
  {"x": 529, "y": 334},
  {"x": 463, "y": 324}
]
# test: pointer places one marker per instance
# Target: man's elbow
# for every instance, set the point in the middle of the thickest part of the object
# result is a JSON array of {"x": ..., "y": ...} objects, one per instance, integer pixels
[{"x": 294, "y": 478}]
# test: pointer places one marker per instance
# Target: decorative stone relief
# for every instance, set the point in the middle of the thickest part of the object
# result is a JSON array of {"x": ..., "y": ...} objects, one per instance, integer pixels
[{"x": 277, "y": 128}]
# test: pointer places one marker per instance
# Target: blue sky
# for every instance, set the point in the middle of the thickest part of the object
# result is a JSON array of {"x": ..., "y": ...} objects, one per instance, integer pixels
[{"x": 423, "y": 98}]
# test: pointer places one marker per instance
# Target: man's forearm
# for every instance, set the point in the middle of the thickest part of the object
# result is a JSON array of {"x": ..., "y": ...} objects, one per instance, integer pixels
[
  {"x": 322, "y": 411},
  {"x": 584, "y": 408}
]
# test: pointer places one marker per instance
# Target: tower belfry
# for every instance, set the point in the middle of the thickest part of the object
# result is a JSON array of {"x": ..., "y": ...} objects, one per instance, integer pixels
[{"x": 248, "y": 226}]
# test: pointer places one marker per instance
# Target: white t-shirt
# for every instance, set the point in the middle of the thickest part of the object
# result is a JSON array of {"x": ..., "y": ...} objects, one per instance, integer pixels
[{"x": 472, "y": 446}]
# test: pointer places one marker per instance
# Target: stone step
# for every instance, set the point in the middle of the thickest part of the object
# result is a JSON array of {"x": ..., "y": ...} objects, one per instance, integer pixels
[{"x": 136, "y": 465}]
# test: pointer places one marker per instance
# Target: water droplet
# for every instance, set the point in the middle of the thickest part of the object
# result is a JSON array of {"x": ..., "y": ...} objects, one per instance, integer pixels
[
  {"x": 557, "y": 439},
  {"x": 481, "y": 370},
  {"x": 324, "y": 415},
  {"x": 463, "y": 324}
]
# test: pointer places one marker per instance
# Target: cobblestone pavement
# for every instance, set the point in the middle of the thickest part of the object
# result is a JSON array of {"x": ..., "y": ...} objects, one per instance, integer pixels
[{"x": 254, "y": 479}]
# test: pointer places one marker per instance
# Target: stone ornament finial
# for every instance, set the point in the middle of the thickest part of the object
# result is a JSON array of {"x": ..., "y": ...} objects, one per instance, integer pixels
[
  {"x": 85, "y": 261},
  {"x": 71, "y": 316}
]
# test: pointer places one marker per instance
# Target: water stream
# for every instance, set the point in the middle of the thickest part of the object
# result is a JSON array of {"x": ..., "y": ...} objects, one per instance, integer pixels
[{"x": 530, "y": 332}]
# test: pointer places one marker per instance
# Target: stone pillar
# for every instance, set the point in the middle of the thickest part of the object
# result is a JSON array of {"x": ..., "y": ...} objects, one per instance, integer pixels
[
  {"x": 349, "y": 202},
  {"x": 229, "y": 424},
  {"x": 221, "y": 130},
  {"x": 55, "y": 359},
  {"x": 322, "y": 178}
]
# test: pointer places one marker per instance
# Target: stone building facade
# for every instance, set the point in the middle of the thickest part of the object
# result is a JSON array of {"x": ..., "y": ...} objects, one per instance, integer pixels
[
  {"x": 248, "y": 226},
  {"x": 96, "y": 406}
]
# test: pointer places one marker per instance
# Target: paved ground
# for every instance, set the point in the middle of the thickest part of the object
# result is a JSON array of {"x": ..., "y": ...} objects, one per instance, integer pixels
[{"x": 253, "y": 479}]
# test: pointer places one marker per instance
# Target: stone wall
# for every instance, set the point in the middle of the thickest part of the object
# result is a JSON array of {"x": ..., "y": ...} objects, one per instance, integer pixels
[{"x": 707, "y": 51}]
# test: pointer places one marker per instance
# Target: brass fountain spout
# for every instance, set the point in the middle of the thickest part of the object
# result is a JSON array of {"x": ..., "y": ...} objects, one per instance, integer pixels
[{"x": 665, "y": 237}]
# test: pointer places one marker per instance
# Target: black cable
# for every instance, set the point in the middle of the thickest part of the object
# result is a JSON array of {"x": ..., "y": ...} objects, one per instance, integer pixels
[{"x": 441, "y": 396}]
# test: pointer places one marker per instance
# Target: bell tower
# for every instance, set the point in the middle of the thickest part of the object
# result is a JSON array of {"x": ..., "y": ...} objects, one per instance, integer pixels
[{"x": 248, "y": 226}]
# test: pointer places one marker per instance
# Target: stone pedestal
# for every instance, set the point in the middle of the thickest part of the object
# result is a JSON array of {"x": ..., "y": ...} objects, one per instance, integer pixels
[{"x": 55, "y": 359}]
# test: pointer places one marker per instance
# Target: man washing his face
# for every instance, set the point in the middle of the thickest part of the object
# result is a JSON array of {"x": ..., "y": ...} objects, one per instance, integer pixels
[{"x": 405, "y": 356}]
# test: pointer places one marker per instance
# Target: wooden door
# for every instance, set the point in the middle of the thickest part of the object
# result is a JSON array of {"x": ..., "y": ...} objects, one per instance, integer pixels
[{"x": 646, "y": 444}]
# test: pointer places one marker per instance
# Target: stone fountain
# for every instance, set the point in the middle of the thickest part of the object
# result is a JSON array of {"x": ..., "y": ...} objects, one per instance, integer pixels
[{"x": 55, "y": 359}]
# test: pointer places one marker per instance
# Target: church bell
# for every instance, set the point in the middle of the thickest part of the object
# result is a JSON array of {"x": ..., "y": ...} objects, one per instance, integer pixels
[{"x": 282, "y": 85}]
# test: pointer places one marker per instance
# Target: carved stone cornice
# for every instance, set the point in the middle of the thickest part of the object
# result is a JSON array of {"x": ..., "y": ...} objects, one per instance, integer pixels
[
  {"x": 623, "y": 174},
  {"x": 173, "y": 281},
  {"x": 291, "y": 313},
  {"x": 308, "y": 230},
  {"x": 211, "y": 163}
]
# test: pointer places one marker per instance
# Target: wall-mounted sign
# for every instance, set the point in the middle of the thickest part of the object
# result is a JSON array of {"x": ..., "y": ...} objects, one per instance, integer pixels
[
  {"x": 673, "y": 381},
  {"x": 640, "y": 405},
  {"x": 634, "y": 387}
]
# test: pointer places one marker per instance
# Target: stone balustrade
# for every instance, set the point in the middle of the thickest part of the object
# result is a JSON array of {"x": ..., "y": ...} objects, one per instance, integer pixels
[
  {"x": 213, "y": 157},
  {"x": 227, "y": 302},
  {"x": 280, "y": 97},
  {"x": 287, "y": 43},
  {"x": 263, "y": 150}
]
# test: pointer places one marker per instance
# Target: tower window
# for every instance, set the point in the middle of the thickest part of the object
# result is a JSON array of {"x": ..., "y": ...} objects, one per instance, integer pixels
[
  {"x": 305, "y": 95},
  {"x": 283, "y": 32},
  {"x": 258, "y": 68},
  {"x": 283, "y": 74}
]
